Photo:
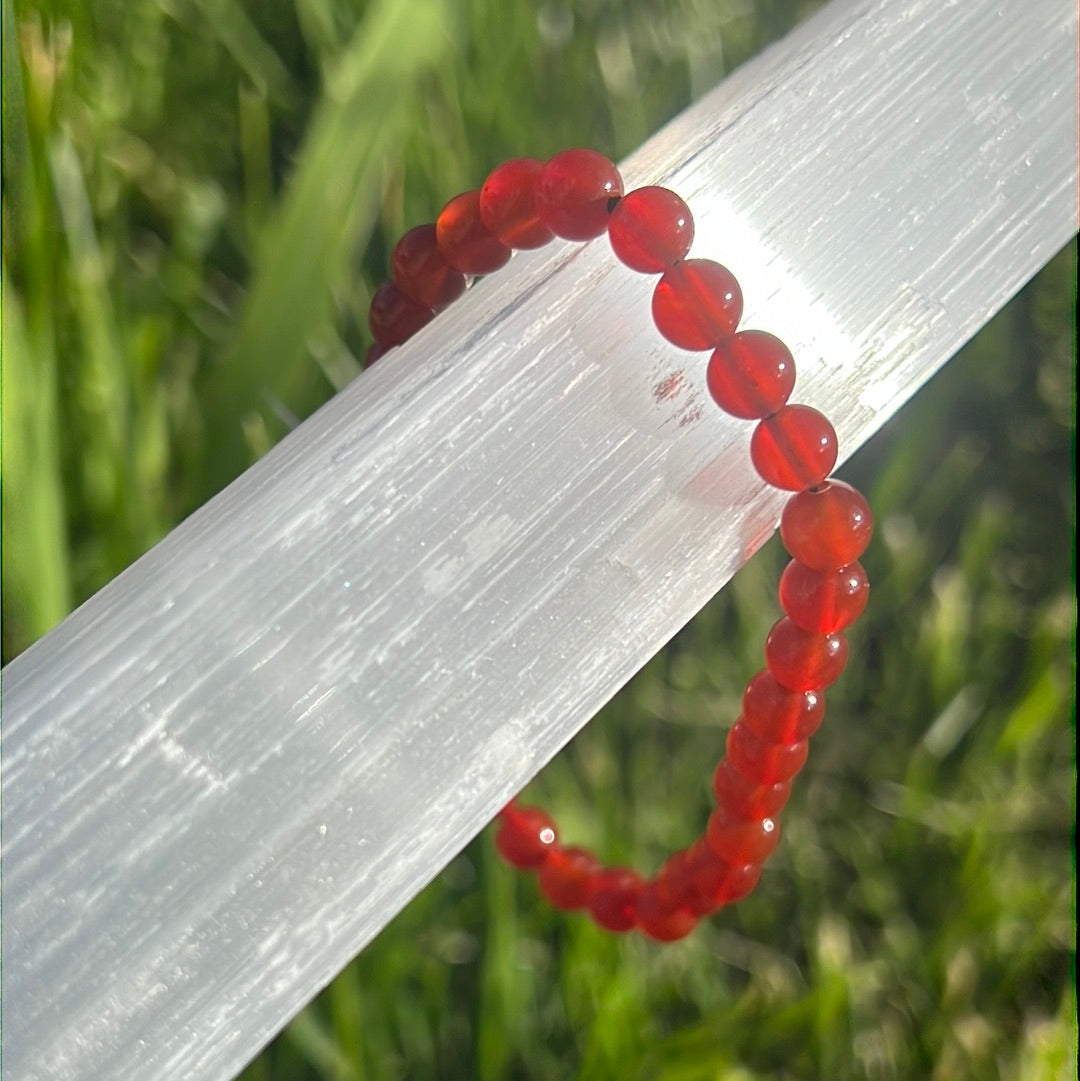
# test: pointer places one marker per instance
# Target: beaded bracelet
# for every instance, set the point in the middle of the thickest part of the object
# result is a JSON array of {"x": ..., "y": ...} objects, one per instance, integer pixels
[{"x": 825, "y": 526}]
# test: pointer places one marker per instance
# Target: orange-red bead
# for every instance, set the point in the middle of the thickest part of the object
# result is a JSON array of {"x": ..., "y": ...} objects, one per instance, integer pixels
[
  {"x": 465, "y": 242},
  {"x": 823, "y": 601},
  {"x": 565, "y": 876},
  {"x": 612, "y": 897},
  {"x": 393, "y": 318},
  {"x": 420, "y": 271},
  {"x": 508, "y": 204},
  {"x": 650, "y": 229},
  {"x": 827, "y": 526},
  {"x": 574, "y": 193},
  {"x": 751, "y": 374},
  {"x": 801, "y": 660},
  {"x": 794, "y": 449},
  {"x": 779, "y": 715},
  {"x": 661, "y": 917},
  {"x": 525, "y": 837},
  {"x": 740, "y": 840},
  {"x": 745, "y": 796},
  {"x": 697, "y": 304},
  {"x": 761, "y": 760}
]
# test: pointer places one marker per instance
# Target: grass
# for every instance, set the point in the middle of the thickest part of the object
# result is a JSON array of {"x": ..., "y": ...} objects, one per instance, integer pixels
[{"x": 198, "y": 200}]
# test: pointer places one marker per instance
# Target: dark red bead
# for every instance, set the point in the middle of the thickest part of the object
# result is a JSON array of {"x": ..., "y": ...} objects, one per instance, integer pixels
[
  {"x": 660, "y": 916},
  {"x": 525, "y": 837},
  {"x": 778, "y": 715},
  {"x": 574, "y": 192},
  {"x": 420, "y": 271},
  {"x": 761, "y": 761},
  {"x": 651, "y": 229},
  {"x": 465, "y": 242},
  {"x": 801, "y": 660},
  {"x": 508, "y": 204},
  {"x": 697, "y": 304},
  {"x": 827, "y": 526},
  {"x": 794, "y": 449},
  {"x": 714, "y": 882},
  {"x": 747, "y": 797},
  {"x": 823, "y": 601},
  {"x": 751, "y": 375},
  {"x": 612, "y": 896},
  {"x": 393, "y": 317},
  {"x": 565, "y": 876},
  {"x": 738, "y": 840}
]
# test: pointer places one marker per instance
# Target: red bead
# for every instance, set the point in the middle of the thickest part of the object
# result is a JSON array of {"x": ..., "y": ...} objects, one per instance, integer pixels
[
  {"x": 565, "y": 876},
  {"x": 660, "y": 916},
  {"x": 612, "y": 896},
  {"x": 777, "y": 715},
  {"x": 420, "y": 271},
  {"x": 508, "y": 204},
  {"x": 651, "y": 229},
  {"x": 794, "y": 449},
  {"x": 828, "y": 526},
  {"x": 801, "y": 660},
  {"x": 526, "y": 836},
  {"x": 823, "y": 601},
  {"x": 715, "y": 882},
  {"x": 697, "y": 304},
  {"x": 574, "y": 193},
  {"x": 747, "y": 797},
  {"x": 738, "y": 840},
  {"x": 761, "y": 761},
  {"x": 465, "y": 242},
  {"x": 393, "y": 317},
  {"x": 751, "y": 375}
]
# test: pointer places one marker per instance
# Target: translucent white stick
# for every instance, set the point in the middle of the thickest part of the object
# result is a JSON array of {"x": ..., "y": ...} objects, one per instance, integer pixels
[{"x": 229, "y": 769}]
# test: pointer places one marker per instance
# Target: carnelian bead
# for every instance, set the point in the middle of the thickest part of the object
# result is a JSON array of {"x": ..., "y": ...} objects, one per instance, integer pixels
[
  {"x": 747, "y": 797},
  {"x": 697, "y": 304},
  {"x": 794, "y": 449},
  {"x": 508, "y": 204},
  {"x": 801, "y": 660},
  {"x": 465, "y": 242},
  {"x": 751, "y": 375},
  {"x": 574, "y": 192},
  {"x": 828, "y": 526},
  {"x": 761, "y": 761},
  {"x": 526, "y": 836},
  {"x": 393, "y": 317},
  {"x": 715, "y": 882},
  {"x": 612, "y": 895},
  {"x": 779, "y": 715},
  {"x": 420, "y": 271},
  {"x": 660, "y": 917},
  {"x": 823, "y": 601},
  {"x": 565, "y": 876},
  {"x": 739, "y": 840},
  {"x": 651, "y": 229}
]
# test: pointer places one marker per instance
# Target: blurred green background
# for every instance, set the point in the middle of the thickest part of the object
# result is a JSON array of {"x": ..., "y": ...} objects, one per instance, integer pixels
[{"x": 199, "y": 197}]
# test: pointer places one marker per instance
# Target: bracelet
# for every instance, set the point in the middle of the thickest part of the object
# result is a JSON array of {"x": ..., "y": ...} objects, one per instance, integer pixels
[{"x": 825, "y": 525}]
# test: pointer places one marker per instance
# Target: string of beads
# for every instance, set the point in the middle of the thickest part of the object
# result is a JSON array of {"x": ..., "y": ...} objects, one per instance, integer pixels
[{"x": 825, "y": 526}]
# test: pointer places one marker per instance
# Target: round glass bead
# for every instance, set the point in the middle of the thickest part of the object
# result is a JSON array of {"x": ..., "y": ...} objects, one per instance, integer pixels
[
  {"x": 823, "y": 601},
  {"x": 525, "y": 837},
  {"x": 827, "y": 526},
  {"x": 738, "y": 840},
  {"x": 465, "y": 242},
  {"x": 794, "y": 449},
  {"x": 715, "y": 882},
  {"x": 612, "y": 895},
  {"x": 777, "y": 715},
  {"x": 761, "y": 761},
  {"x": 651, "y": 229},
  {"x": 508, "y": 204},
  {"x": 747, "y": 797},
  {"x": 697, "y": 304},
  {"x": 393, "y": 318},
  {"x": 801, "y": 660},
  {"x": 751, "y": 375},
  {"x": 660, "y": 917},
  {"x": 574, "y": 192},
  {"x": 420, "y": 271},
  {"x": 565, "y": 876}
]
